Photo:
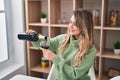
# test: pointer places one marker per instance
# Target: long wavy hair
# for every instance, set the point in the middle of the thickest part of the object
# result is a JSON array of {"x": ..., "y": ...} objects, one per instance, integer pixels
[{"x": 84, "y": 22}]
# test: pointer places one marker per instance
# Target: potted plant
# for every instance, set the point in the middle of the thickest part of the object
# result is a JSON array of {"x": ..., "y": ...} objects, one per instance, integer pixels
[
  {"x": 43, "y": 18},
  {"x": 117, "y": 47}
]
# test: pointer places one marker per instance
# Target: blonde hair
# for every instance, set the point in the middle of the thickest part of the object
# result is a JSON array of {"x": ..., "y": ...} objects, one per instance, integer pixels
[{"x": 83, "y": 20}]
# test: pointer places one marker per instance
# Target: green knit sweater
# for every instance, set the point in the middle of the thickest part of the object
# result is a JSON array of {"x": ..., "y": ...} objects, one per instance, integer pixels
[{"x": 63, "y": 64}]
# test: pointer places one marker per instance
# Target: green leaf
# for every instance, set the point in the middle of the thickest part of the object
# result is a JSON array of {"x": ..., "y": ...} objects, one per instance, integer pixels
[
  {"x": 117, "y": 45},
  {"x": 43, "y": 15}
]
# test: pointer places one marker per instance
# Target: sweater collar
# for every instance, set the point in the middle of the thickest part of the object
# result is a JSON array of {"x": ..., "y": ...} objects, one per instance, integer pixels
[{"x": 73, "y": 41}]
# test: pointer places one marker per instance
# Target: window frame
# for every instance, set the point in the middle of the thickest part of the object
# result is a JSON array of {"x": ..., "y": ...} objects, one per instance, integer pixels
[{"x": 3, "y": 32}]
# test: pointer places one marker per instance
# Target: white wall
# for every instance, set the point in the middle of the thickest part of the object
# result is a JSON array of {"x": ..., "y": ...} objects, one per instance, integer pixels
[{"x": 17, "y": 51}]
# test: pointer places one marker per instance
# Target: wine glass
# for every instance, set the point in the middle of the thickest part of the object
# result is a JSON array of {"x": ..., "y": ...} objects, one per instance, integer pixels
[{"x": 44, "y": 44}]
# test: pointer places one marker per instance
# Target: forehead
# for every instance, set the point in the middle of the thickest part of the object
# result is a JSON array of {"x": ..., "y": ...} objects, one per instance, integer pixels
[{"x": 73, "y": 18}]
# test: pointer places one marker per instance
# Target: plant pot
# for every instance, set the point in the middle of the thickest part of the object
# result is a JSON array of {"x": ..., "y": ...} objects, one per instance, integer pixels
[
  {"x": 117, "y": 51},
  {"x": 44, "y": 63},
  {"x": 43, "y": 20}
]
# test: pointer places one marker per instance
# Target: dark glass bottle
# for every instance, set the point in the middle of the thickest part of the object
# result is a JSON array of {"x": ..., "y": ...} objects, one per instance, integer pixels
[
  {"x": 44, "y": 43},
  {"x": 31, "y": 36}
]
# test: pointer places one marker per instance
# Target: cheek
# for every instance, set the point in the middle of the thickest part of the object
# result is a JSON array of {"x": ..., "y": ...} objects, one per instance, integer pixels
[
  {"x": 69, "y": 29},
  {"x": 77, "y": 31}
]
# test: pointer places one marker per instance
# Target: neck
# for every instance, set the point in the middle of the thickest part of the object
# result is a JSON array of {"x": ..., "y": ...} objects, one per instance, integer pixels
[{"x": 76, "y": 37}]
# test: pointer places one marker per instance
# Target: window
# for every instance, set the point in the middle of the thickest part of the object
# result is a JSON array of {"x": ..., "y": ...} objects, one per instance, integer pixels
[
  {"x": 14, "y": 19},
  {"x": 3, "y": 34}
]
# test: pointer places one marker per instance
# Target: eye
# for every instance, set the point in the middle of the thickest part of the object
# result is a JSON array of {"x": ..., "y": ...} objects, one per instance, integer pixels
[
  {"x": 73, "y": 23},
  {"x": 70, "y": 22}
]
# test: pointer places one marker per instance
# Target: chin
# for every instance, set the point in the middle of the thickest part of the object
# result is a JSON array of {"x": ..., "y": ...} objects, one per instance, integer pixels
[{"x": 72, "y": 33}]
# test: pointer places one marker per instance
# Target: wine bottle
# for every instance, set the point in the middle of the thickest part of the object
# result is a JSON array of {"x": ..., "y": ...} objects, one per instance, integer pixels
[
  {"x": 31, "y": 37},
  {"x": 44, "y": 43}
]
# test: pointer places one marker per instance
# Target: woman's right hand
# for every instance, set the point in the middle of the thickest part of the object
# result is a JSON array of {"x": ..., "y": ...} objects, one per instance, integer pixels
[{"x": 30, "y": 31}]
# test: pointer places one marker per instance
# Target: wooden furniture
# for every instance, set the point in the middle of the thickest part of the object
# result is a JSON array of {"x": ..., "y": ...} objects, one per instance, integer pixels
[{"x": 60, "y": 9}]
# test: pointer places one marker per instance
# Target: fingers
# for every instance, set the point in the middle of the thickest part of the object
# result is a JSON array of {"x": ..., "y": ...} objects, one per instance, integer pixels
[
  {"x": 44, "y": 53},
  {"x": 42, "y": 49},
  {"x": 30, "y": 31}
]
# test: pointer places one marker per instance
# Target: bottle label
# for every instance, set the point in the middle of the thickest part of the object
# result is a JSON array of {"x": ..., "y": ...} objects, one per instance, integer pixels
[{"x": 41, "y": 37}]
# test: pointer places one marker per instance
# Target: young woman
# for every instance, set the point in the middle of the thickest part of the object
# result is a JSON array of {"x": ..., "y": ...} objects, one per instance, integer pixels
[{"x": 73, "y": 53}]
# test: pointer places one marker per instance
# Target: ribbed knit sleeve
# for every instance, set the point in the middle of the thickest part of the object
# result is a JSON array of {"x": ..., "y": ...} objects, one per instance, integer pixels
[
  {"x": 54, "y": 43},
  {"x": 78, "y": 72},
  {"x": 36, "y": 44}
]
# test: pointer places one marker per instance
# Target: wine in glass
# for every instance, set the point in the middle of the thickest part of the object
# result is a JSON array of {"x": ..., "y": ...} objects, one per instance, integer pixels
[{"x": 45, "y": 44}]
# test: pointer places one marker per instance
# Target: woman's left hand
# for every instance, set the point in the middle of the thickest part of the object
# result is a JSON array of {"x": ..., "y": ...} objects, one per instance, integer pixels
[{"x": 48, "y": 54}]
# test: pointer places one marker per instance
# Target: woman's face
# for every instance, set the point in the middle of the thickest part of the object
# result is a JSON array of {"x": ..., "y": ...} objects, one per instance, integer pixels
[{"x": 73, "y": 29}]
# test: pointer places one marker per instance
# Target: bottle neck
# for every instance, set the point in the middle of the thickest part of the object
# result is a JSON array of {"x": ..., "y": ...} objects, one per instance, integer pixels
[{"x": 41, "y": 37}]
